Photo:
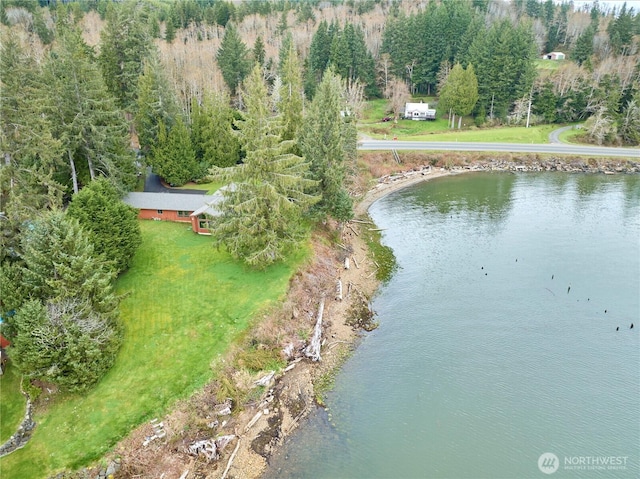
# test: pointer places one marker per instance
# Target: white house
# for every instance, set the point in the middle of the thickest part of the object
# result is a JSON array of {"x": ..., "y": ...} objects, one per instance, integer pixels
[
  {"x": 553, "y": 56},
  {"x": 419, "y": 111}
]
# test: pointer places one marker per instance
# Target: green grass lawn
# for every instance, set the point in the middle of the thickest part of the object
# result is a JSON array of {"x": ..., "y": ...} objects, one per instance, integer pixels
[
  {"x": 438, "y": 130},
  {"x": 12, "y": 403},
  {"x": 517, "y": 134},
  {"x": 549, "y": 64},
  {"x": 372, "y": 125},
  {"x": 211, "y": 187},
  {"x": 184, "y": 303}
]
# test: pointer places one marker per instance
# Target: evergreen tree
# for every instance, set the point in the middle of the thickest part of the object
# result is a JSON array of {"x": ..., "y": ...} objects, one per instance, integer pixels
[
  {"x": 215, "y": 143},
  {"x": 262, "y": 210},
  {"x": 285, "y": 48},
  {"x": 460, "y": 92},
  {"x": 125, "y": 43},
  {"x": 583, "y": 48},
  {"x": 351, "y": 60},
  {"x": 85, "y": 118},
  {"x": 322, "y": 144},
  {"x": 258, "y": 51},
  {"x": 63, "y": 342},
  {"x": 174, "y": 158},
  {"x": 320, "y": 50},
  {"x": 112, "y": 225},
  {"x": 544, "y": 102},
  {"x": 156, "y": 104},
  {"x": 68, "y": 332},
  {"x": 31, "y": 169},
  {"x": 504, "y": 59},
  {"x": 282, "y": 24},
  {"x": 291, "y": 95},
  {"x": 233, "y": 59},
  {"x": 621, "y": 31},
  {"x": 169, "y": 31},
  {"x": 60, "y": 263}
]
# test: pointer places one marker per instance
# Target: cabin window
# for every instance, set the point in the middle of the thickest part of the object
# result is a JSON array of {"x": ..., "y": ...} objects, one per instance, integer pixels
[
  {"x": 203, "y": 222},
  {"x": 159, "y": 212},
  {"x": 183, "y": 214}
]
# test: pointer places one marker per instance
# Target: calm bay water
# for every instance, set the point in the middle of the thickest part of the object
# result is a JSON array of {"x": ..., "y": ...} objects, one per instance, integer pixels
[{"x": 497, "y": 340}]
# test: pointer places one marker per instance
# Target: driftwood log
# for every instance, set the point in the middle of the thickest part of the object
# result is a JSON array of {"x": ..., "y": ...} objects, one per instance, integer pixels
[
  {"x": 339, "y": 290},
  {"x": 312, "y": 351},
  {"x": 253, "y": 421},
  {"x": 233, "y": 456},
  {"x": 354, "y": 231}
]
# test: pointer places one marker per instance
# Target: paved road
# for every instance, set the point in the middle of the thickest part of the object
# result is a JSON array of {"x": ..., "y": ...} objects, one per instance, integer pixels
[
  {"x": 554, "y": 136},
  {"x": 562, "y": 149}
]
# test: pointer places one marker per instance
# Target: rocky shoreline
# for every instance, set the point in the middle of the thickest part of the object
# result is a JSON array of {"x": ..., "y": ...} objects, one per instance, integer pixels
[{"x": 308, "y": 373}]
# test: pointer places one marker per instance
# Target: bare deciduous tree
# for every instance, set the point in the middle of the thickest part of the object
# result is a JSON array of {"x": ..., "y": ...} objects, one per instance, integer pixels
[
  {"x": 354, "y": 97},
  {"x": 600, "y": 127},
  {"x": 398, "y": 95}
]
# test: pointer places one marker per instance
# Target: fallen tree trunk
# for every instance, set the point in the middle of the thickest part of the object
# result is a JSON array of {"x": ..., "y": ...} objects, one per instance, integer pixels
[
  {"x": 233, "y": 456},
  {"x": 312, "y": 351}
]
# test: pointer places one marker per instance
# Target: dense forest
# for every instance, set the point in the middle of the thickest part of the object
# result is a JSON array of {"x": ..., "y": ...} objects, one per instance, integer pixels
[{"x": 263, "y": 95}]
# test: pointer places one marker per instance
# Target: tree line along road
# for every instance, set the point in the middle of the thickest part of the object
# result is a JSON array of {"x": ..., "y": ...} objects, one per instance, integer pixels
[{"x": 561, "y": 149}]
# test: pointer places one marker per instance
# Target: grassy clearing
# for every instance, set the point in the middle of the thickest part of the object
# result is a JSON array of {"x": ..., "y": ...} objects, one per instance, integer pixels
[
  {"x": 519, "y": 134},
  {"x": 408, "y": 130},
  {"x": 377, "y": 109},
  {"x": 12, "y": 403},
  {"x": 184, "y": 303},
  {"x": 549, "y": 64},
  {"x": 211, "y": 187},
  {"x": 372, "y": 125}
]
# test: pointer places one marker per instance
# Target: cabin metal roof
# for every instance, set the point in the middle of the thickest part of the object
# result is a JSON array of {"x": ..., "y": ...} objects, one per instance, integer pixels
[{"x": 169, "y": 201}]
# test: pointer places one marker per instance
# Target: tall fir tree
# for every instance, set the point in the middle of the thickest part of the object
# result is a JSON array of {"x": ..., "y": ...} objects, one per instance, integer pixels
[
  {"x": 125, "y": 42},
  {"x": 214, "y": 140},
  {"x": 156, "y": 104},
  {"x": 583, "y": 48},
  {"x": 504, "y": 58},
  {"x": 31, "y": 169},
  {"x": 263, "y": 208},
  {"x": 111, "y": 224},
  {"x": 621, "y": 30},
  {"x": 174, "y": 158},
  {"x": 320, "y": 50},
  {"x": 258, "y": 51},
  {"x": 351, "y": 60},
  {"x": 291, "y": 95},
  {"x": 84, "y": 116},
  {"x": 233, "y": 59},
  {"x": 322, "y": 144}
]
